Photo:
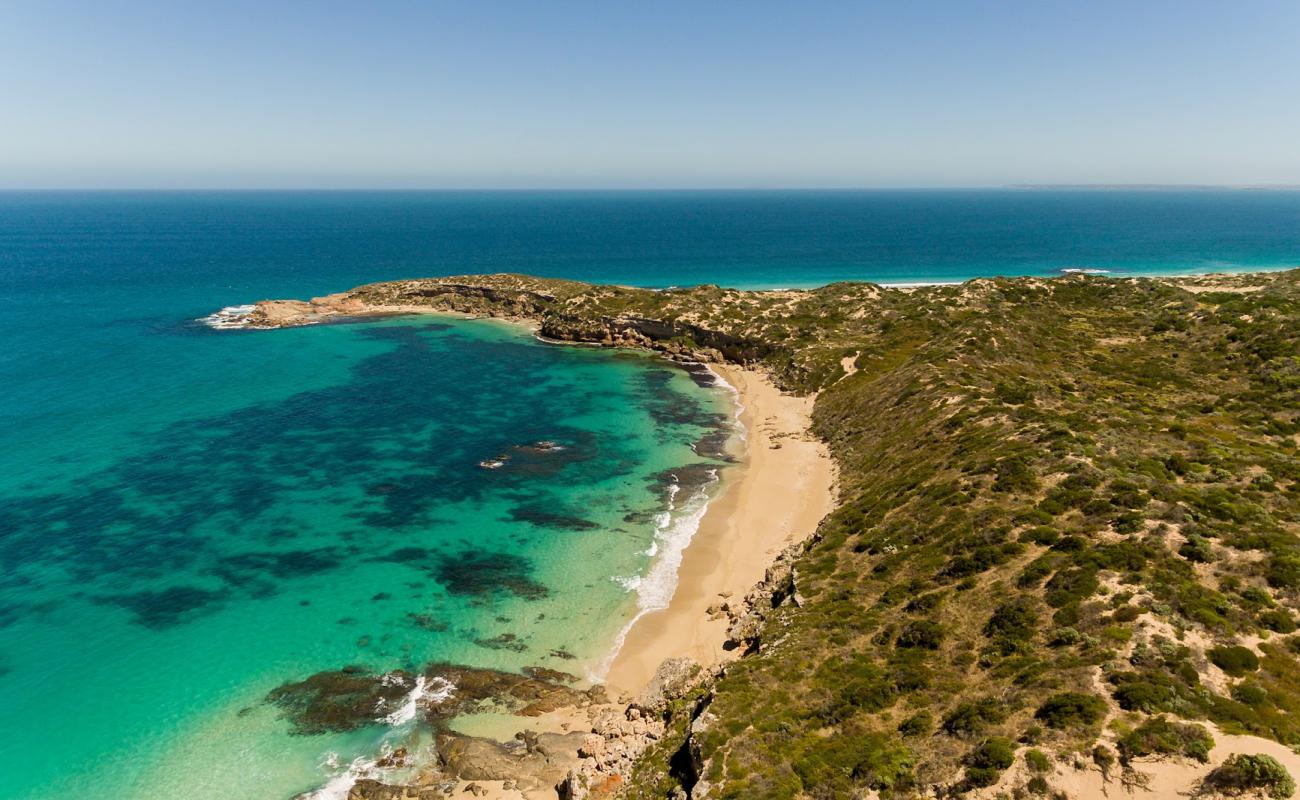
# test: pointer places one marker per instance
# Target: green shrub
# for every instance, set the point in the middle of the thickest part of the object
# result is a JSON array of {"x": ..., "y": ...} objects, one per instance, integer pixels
[
  {"x": 1143, "y": 692},
  {"x": 985, "y": 763},
  {"x": 973, "y": 717},
  {"x": 1040, "y": 534},
  {"x": 1126, "y": 614},
  {"x": 1159, "y": 736},
  {"x": 1070, "y": 709},
  {"x": 1064, "y": 637},
  {"x": 1013, "y": 394},
  {"x": 881, "y": 762},
  {"x": 919, "y": 724},
  {"x": 1277, "y": 620},
  {"x": 1037, "y": 761},
  {"x": 1244, "y": 773},
  {"x": 1254, "y": 596},
  {"x": 1103, "y": 757},
  {"x": 1284, "y": 571},
  {"x": 1249, "y": 694},
  {"x": 925, "y": 603},
  {"x": 1234, "y": 659},
  {"x": 923, "y": 634},
  {"x": 1014, "y": 621},
  {"x": 1197, "y": 549},
  {"x": 1014, "y": 475},
  {"x": 1071, "y": 586}
]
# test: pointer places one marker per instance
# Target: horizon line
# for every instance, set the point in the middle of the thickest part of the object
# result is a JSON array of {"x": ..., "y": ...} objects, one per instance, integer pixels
[{"x": 1025, "y": 187}]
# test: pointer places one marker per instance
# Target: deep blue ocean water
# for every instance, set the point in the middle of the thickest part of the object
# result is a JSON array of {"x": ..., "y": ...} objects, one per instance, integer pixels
[{"x": 189, "y": 517}]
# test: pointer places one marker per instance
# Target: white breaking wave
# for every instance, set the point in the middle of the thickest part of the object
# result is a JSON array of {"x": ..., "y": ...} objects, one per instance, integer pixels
[
  {"x": 735, "y": 400},
  {"x": 1085, "y": 271},
  {"x": 425, "y": 692},
  {"x": 229, "y": 318},
  {"x": 338, "y": 787},
  {"x": 673, "y": 533},
  {"x": 656, "y": 587}
]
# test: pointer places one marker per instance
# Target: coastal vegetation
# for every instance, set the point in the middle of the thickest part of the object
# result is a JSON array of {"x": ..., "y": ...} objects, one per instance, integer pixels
[{"x": 1067, "y": 528}]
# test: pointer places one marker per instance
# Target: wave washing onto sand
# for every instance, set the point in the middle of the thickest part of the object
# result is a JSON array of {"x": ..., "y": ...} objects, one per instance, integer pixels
[
  {"x": 424, "y": 692},
  {"x": 722, "y": 382},
  {"x": 674, "y": 531}
]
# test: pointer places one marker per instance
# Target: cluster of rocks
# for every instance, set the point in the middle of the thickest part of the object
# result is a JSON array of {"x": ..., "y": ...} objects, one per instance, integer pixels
[
  {"x": 775, "y": 590},
  {"x": 589, "y": 763},
  {"x": 351, "y": 698},
  {"x": 619, "y": 737}
]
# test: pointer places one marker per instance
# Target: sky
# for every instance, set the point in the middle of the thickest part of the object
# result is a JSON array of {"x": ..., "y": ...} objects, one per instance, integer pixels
[{"x": 705, "y": 93}]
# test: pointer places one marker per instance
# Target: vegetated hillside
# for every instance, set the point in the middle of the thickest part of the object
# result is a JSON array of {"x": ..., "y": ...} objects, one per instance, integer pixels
[
  {"x": 1069, "y": 520},
  {"x": 1063, "y": 504}
]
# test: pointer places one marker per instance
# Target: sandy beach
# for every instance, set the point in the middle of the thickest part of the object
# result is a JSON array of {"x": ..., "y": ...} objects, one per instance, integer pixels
[{"x": 777, "y": 495}]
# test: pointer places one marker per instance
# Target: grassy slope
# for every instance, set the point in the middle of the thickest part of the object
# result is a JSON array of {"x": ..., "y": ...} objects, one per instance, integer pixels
[{"x": 1022, "y": 462}]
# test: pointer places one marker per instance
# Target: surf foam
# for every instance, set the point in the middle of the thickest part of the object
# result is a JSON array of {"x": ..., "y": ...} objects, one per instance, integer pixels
[{"x": 656, "y": 587}]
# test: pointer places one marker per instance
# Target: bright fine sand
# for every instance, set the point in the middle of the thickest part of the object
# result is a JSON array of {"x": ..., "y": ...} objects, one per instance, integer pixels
[{"x": 782, "y": 489}]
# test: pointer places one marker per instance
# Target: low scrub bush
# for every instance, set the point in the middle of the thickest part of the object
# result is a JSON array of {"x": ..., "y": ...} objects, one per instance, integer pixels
[
  {"x": 1071, "y": 709},
  {"x": 1247, "y": 773}
]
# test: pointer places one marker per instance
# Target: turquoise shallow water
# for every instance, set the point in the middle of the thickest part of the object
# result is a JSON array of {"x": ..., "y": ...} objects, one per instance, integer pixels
[
  {"x": 189, "y": 517},
  {"x": 174, "y": 563}
]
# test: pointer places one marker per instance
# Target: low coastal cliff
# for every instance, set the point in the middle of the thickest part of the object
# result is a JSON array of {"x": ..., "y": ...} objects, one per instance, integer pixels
[
  {"x": 561, "y": 310},
  {"x": 1066, "y": 551}
]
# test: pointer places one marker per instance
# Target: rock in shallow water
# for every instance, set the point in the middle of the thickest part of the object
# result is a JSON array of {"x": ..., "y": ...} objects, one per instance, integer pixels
[{"x": 354, "y": 697}]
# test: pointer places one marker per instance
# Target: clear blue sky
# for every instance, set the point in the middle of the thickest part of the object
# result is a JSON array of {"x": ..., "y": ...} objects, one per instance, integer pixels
[{"x": 104, "y": 93}]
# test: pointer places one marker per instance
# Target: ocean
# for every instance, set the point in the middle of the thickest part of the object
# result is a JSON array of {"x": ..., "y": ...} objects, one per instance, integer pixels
[{"x": 190, "y": 517}]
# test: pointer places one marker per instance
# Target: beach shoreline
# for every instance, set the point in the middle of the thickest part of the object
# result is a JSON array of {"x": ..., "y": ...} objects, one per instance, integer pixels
[
  {"x": 777, "y": 492},
  {"x": 775, "y": 496}
]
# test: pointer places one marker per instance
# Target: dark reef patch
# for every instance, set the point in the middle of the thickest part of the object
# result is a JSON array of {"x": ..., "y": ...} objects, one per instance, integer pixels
[
  {"x": 704, "y": 377},
  {"x": 713, "y": 445},
  {"x": 474, "y": 573},
  {"x": 244, "y": 567},
  {"x": 9, "y": 614},
  {"x": 668, "y": 407},
  {"x": 504, "y": 641},
  {"x": 426, "y": 622},
  {"x": 405, "y": 555},
  {"x": 544, "y": 517},
  {"x": 166, "y": 608}
]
